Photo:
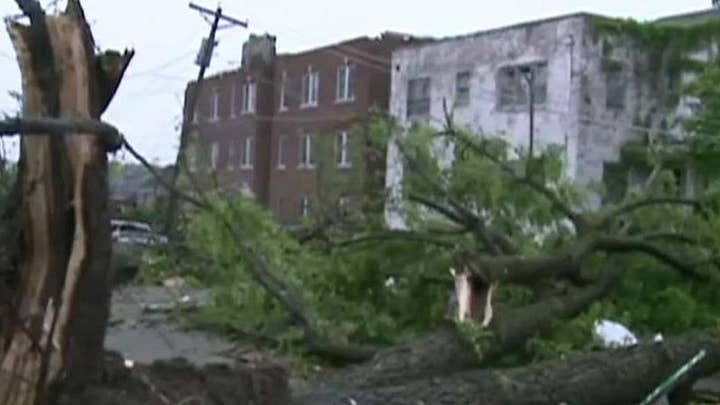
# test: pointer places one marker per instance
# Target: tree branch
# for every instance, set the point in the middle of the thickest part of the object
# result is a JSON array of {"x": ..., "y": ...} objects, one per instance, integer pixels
[
  {"x": 522, "y": 270},
  {"x": 398, "y": 235},
  {"x": 631, "y": 206},
  {"x": 669, "y": 236},
  {"x": 56, "y": 126},
  {"x": 618, "y": 244},
  {"x": 165, "y": 184},
  {"x": 577, "y": 219},
  {"x": 523, "y": 323},
  {"x": 449, "y": 213}
]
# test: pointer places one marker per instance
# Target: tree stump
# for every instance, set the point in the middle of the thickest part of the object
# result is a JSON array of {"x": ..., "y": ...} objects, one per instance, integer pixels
[{"x": 62, "y": 303}]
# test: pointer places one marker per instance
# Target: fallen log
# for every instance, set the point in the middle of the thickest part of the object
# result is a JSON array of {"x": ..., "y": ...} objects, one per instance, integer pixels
[{"x": 622, "y": 376}]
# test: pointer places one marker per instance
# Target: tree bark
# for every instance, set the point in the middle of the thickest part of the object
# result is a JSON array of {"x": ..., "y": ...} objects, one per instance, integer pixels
[
  {"x": 63, "y": 298},
  {"x": 623, "y": 376}
]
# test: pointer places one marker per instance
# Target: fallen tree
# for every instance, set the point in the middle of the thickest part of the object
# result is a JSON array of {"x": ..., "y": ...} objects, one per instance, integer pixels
[
  {"x": 623, "y": 376},
  {"x": 533, "y": 238},
  {"x": 511, "y": 230}
]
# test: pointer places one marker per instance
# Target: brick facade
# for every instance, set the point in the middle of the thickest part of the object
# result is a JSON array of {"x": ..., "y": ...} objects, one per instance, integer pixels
[{"x": 286, "y": 174}]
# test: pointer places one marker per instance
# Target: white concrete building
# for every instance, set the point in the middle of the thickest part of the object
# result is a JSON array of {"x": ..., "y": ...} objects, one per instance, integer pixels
[{"x": 591, "y": 92}]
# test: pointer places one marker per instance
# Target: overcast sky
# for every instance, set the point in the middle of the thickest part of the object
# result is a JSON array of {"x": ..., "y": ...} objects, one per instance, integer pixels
[{"x": 166, "y": 34}]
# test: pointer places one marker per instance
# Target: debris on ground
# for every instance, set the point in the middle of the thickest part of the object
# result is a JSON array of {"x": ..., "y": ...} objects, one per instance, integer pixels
[{"x": 179, "y": 382}]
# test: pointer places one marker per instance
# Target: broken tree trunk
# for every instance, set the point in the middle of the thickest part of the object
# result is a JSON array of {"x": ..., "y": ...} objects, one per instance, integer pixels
[
  {"x": 623, "y": 376},
  {"x": 62, "y": 303}
]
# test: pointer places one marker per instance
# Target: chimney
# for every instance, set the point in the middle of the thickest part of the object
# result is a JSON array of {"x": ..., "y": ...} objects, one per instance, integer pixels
[{"x": 258, "y": 52}]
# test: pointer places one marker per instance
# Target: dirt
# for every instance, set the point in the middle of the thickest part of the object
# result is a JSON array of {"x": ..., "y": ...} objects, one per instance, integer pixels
[
  {"x": 178, "y": 382},
  {"x": 175, "y": 366}
]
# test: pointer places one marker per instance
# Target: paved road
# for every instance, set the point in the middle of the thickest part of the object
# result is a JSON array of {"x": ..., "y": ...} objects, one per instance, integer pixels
[{"x": 141, "y": 328}]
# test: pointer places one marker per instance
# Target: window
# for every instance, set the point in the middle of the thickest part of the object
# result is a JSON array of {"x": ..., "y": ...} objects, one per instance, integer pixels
[
  {"x": 248, "y": 157},
  {"x": 281, "y": 152},
  {"x": 249, "y": 97},
  {"x": 304, "y": 206},
  {"x": 418, "y": 97},
  {"x": 513, "y": 83},
  {"x": 307, "y": 158},
  {"x": 310, "y": 89},
  {"x": 215, "y": 107},
  {"x": 345, "y": 90},
  {"x": 283, "y": 92},
  {"x": 614, "y": 86},
  {"x": 192, "y": 158},
  {"x": 462, "y": 89},
  {"x": 214, "y": 155},
  {"x": 342, "y": 145},
  {"x": 232, "y": 155},
  {"x": 232, "y": 100}
]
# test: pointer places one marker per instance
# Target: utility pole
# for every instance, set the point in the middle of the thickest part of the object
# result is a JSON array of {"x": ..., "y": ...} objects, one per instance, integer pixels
[{"x": 203, "y": 60}]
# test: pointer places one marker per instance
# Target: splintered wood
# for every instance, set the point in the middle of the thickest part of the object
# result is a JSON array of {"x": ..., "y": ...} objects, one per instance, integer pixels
[{"x": 63, "y": 300}]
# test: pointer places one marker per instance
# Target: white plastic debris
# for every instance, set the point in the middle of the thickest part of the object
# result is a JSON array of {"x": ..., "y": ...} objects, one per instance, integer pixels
[
  {"x": 129, "y": 363},
  {"x": 658, "y": 338},
  {"x": 612, "y": 334}
]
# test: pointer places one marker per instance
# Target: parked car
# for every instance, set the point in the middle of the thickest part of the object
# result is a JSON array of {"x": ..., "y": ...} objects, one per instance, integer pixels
[{"x": 131, "y": 239}]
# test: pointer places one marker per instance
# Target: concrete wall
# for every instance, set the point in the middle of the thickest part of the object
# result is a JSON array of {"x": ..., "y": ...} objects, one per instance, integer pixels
[
  {"x": 553, "y": 41},
  {"x": 582, "y": 112}
]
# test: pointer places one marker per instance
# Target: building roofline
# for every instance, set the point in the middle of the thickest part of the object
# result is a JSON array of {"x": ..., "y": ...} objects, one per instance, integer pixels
[
  {"x": 321, "y": 48},
  {"x": 689, "y": 15},
  {"x": 490, "y": 31}
]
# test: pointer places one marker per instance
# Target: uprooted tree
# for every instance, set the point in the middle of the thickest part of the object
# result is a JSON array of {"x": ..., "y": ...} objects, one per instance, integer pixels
[
  {"x": 528, "y": 262},
  {"x": 56, "y": 225}
]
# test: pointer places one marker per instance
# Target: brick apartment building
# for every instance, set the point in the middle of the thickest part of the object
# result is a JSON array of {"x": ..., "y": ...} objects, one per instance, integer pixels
[{"x": 280, "y": 125}]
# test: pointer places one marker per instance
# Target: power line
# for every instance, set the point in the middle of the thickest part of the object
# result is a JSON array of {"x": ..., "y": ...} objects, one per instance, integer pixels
[{"x": 161, "y": 66}]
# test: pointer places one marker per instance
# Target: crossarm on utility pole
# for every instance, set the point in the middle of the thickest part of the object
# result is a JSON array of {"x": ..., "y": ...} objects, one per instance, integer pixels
[{"x": 231, "y": 20}]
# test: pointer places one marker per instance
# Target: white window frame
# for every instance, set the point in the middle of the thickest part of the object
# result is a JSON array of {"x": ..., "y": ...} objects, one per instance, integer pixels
[
  {"x": 192, "y": 158},
  {"x": 463, "y": 102},
  {"x": 248, "y": 153},
  {"x": 215, "y": 105},
  {"x": 344, "y": 92},
  {"x": 342, "y": 150},
  {"x": 304, "y": 206},
  {"x": 232, "y": 154},
  {"x": 249, "y": 100},
  {"x": 310, "y": 89},
  {"x": 214, "y": 155},
  {"x": 281, "y": 146},
  {"x": 412, "y": 102},
  {"x": 283, "y": 92},
  {"x": 306, "y": 152},
  {"x": 233, "y": 91}
]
